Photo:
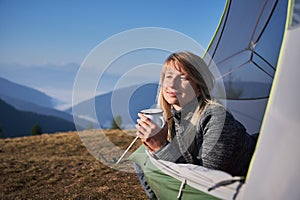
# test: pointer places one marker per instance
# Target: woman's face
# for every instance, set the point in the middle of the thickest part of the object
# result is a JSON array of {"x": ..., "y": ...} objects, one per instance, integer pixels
[{"x": 177, "y": 89}]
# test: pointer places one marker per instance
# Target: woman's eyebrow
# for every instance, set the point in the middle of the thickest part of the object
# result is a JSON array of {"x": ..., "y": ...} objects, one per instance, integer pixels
[{"x": 169, "y": 72}]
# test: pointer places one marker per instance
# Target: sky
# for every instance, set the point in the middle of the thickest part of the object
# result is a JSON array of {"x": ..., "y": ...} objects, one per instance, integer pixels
[
  {"x": 65, "y": 31},
  {"x": 39, "y": 33}
]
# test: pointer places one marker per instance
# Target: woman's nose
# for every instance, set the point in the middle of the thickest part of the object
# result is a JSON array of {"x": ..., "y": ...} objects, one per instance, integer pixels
[{"x": 173, "y": 82}]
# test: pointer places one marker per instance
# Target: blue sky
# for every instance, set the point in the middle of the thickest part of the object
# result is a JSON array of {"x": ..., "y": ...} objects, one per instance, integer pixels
[
  {"x": 36, "y": 32},
  {"x": 40, "y": 39}
]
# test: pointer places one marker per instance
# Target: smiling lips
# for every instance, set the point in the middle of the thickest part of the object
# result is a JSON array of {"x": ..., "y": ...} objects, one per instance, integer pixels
[{"x": 171, "y": 94}]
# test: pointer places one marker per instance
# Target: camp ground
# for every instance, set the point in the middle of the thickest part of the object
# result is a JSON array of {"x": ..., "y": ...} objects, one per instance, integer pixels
[{"x": 257, "y": 51}]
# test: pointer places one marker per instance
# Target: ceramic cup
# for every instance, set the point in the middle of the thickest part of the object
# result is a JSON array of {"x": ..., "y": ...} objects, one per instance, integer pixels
[{"x": 155, "y": 115}]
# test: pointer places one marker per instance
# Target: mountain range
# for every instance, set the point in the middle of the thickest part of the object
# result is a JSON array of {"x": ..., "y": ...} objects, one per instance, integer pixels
[
  {"x": 22, "y": 107},
  {"x": 16, "y": 123},
  {"x": 53, "y": 79},
  {"x": 11, "y": 91},
  {"x": 123, "y": 102}
]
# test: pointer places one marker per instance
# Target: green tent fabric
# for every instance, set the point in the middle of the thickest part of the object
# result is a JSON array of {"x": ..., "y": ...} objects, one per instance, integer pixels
[
  {"x": 165, "y": 186},
  {"x": 184, "y": 181}
]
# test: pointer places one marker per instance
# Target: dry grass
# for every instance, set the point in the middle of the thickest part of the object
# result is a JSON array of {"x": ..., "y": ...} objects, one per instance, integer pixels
[{"x": 58, "y": 166}]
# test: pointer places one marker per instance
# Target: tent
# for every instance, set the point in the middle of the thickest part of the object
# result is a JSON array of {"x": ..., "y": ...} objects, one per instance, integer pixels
[{"x": 256, "y": 48}]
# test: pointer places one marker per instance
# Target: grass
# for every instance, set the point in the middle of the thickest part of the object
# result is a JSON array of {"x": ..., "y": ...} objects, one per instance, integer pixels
[{"x": 58, "y": 166}]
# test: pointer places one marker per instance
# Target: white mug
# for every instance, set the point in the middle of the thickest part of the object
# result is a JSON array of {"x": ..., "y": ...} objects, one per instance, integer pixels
[{"x": 155, "y": 115}]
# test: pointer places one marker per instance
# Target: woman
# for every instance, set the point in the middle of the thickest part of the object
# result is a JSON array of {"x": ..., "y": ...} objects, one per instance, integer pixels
[{"x": 199, "y": 130}]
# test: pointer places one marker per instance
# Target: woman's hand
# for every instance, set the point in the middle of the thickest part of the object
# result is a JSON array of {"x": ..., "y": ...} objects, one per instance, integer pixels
[{"x": 152, "y": 136}]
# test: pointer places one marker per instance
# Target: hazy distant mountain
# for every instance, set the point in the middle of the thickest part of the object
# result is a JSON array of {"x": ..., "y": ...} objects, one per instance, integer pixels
[
  {"x": 9, "y": 89},
  {"x": 16, "y": 123},
  {"x": 31, "y": 107},
  {"x": 125, "y": 102},
  {"x": 56, "y": 76},
  {"x": 52, "y": 79}
]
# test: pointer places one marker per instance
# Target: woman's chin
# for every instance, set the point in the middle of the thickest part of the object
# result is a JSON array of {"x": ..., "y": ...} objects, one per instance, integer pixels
[{"x": 172, "y": 101}]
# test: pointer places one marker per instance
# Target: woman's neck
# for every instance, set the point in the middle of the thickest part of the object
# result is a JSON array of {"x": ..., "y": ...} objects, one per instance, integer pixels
[
  {"x": 192, "y": 103},
  {"x": 176, "y": 107}
]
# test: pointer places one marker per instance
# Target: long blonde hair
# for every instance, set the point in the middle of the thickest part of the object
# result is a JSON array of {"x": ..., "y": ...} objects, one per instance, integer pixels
[{"x": 198, "y": 73}]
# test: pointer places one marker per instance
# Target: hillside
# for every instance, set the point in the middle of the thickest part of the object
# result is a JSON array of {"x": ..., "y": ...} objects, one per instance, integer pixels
[
  {"x": 58, "y": 166},
  {"x": 31, "y": 107},
  {"x": 124, "y": 102},
  {"x": 16, "y": 123},
  {"x": 24, "y": 93}
]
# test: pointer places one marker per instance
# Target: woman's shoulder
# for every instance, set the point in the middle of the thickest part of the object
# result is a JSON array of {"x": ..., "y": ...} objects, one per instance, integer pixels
[
  {"x": 213, "y": 107},
  {"x": 217, "y": 109},
  {"x": 216, "y": 113},
  {"x": 213, "y": 112}
]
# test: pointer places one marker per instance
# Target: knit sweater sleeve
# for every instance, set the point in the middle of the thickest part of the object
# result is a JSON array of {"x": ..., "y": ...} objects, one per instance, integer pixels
[{"x": 169, "y": 152}]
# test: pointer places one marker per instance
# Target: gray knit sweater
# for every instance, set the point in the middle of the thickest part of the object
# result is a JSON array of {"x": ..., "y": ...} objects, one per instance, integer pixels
[{"x": 218, "y": 142}]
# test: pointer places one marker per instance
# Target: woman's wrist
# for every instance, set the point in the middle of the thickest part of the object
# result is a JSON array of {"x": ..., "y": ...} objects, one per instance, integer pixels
[{"x": 159, "y": 149}]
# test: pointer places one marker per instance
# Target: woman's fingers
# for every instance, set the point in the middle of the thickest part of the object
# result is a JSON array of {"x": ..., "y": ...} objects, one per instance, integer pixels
[
  {"x": 157, "y": 141},
  {"x": 144, "y": 119},
  {"x": 146, "y": 126},
  {"x": 152, "y": 136},
  {"x": 141, "y": 131}
]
